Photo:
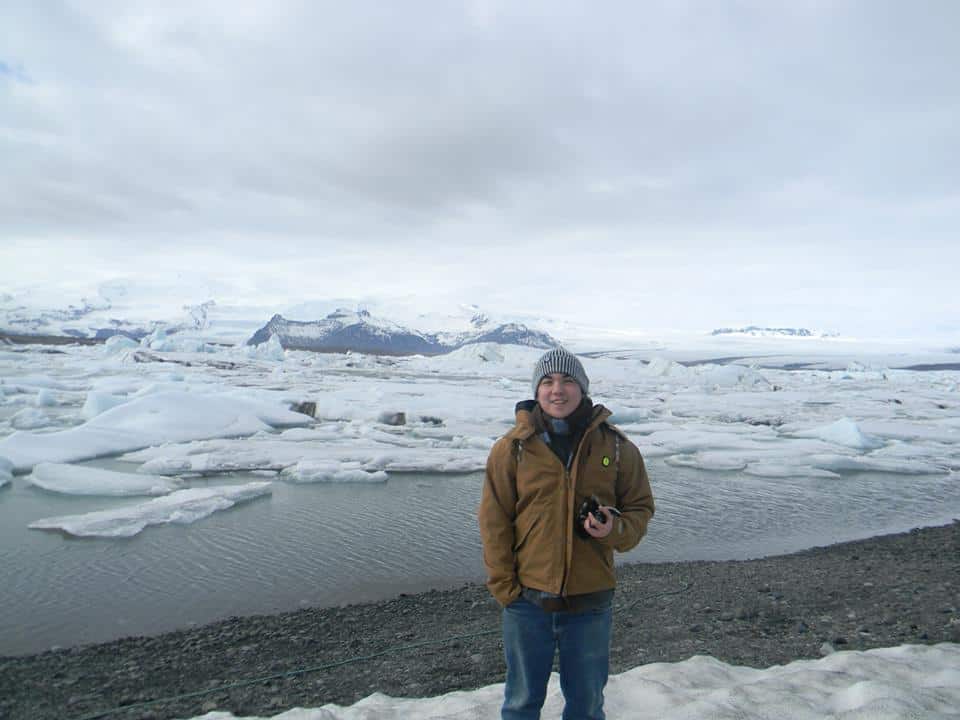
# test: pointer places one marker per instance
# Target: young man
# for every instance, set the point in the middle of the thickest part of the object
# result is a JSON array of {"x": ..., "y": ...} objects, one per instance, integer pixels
[{"x": 547, "y": 550}]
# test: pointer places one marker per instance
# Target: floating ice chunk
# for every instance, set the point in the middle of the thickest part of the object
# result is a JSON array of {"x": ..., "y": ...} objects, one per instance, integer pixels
[
  {"x": 30, "y": 419},
  {"x": 157, "y": 336},
  {"x": 212, "y": 463},
  {"x": 181, "y": 507},
  {"x": 270, "y": 350},
  {"x": 664, "y": 367},
  {"x": 167, "y": 466},
  {"x": 727, "y": 376},
  {"x": 707, "y": 461},
  {"x": 77, "y": 480},
  {"x": 6, "y": 471},
  {"x": 150, "y": 420},
  {"x": 313, "y": 471},
  {"x": 300, "y": 434},
  {"x": 780, "y": 470},
  {"x": 45, "y": 398},
  {"x": 117, "y": 344},
  {"x": 98, "y": 402},
  {"x": 842, "y": 432},
  {"x": 629, "y": 415},
  {"x": 482, "y": 352},
  {"x": 866, "y": 463},
  {"x": 29, "y": 383},
  {"x": 470, "y": 441},
  {"x": 652, "y": 451},
  {"x": 183, "y": 345}
]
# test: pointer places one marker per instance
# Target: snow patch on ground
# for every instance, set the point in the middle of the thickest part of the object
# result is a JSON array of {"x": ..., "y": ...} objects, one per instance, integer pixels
[{"x": 883, "y": 684}]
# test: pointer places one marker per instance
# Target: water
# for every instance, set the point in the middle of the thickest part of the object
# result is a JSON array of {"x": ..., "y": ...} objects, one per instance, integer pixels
[{"x": 328, "y": 544}]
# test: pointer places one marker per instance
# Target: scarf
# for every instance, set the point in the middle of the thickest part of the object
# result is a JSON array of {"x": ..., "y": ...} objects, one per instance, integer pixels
[{"x": 563, "y": 435}]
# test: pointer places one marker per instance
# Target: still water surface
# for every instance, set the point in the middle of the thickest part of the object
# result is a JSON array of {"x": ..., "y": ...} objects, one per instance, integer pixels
[{"x": 328, "y": 544}]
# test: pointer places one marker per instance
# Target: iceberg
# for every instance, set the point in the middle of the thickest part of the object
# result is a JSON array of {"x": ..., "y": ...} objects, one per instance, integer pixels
[
  {"x": 731, "y": 376},
  {"x": 98, "y": 402},
  {"x": 270, "y": 350},
  {"x": 163, "y": 417},
  {"x": 45, "y": 398},
  {"x": 6, "y": 471},
  {"x": 76, "y": 480},
  {"x": 181, "y": 507},
  {"x": 117, "y": 344},
  {"x": 843, "y": 432}
]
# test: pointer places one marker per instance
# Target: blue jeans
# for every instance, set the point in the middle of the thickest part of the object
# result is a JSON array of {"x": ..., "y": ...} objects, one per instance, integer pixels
[{"x": 530, "y": 639}]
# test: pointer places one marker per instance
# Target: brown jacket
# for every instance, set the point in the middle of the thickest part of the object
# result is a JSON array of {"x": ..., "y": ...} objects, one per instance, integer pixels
[{"x": 527, "y": 509}]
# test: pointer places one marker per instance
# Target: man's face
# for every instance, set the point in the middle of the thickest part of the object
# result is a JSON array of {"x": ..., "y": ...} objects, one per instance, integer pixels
[{"x": 559, "y": 395}]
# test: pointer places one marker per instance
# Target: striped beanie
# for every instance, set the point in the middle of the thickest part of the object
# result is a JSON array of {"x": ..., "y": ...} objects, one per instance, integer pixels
[{"x": 560, "y": 360}]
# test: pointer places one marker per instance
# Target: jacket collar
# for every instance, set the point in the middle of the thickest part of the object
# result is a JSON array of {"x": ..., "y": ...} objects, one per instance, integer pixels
[{"x": 526, "y": 427}]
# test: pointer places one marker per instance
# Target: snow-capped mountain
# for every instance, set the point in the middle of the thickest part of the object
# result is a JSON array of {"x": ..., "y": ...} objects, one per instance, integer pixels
[{"x": 359, "y": 331}]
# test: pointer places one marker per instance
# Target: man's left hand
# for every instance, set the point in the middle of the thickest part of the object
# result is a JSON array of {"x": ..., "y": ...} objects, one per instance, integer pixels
[{"x": 598, "y": 529}]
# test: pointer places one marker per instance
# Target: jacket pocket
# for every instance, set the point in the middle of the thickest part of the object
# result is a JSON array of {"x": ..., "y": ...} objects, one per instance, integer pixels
[{"x": 525, "y": 525}]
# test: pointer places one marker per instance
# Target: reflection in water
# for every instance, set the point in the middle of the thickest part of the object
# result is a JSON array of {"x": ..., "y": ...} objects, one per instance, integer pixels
[{"x": 329, "y": 544}]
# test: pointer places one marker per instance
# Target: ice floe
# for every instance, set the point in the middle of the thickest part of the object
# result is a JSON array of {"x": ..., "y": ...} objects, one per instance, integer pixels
[
  {"x": 842, "y": 432},
  {"x": 909, "y": 681},
  {"x": 45, "y": 398},
  {"x": 151, "y": 420},
  {"x": 180, "y": 507},
  {"x": 311, "y": 472},
  {"x": 98, "y": 402},
  {"x": 30, "y": 419},
  {"x": 79, "y": 480},
  {"x": 6, "y": 471},
  {"x": 117, "y": 344}
]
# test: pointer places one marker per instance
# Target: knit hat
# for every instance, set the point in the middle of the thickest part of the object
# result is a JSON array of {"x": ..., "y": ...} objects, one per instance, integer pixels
[{"x": 560, "y": 360}]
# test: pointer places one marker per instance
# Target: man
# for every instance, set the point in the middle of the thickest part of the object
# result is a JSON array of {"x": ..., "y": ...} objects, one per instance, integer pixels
[{"x": 548, "y": 552}]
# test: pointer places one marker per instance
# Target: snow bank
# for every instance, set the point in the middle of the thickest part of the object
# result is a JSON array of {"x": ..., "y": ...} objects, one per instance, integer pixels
[
  {"x": 181, "y": 507},
  {"x": 883, "y": 684},
  {"x": 150, "y": 420},
  {"x": 76, "y": 480}
]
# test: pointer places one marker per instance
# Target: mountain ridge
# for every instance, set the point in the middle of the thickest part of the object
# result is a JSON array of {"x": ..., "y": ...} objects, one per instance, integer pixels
[{"x": 359, "y": 331}]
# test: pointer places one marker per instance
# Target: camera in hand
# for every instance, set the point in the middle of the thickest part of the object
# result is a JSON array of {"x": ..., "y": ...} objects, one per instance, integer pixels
[{"x": 590, "y": 506}]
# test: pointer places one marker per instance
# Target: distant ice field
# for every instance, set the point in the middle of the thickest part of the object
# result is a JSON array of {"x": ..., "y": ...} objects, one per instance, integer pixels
[{"x": 147, "y": 489}]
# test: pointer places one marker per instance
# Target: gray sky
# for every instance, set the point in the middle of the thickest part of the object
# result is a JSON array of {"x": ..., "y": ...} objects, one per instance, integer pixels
[{"x": 637, "y": 164}]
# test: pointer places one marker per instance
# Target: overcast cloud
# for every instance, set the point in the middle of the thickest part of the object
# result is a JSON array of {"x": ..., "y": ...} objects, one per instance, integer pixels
[{"x": 650, "y": 164}]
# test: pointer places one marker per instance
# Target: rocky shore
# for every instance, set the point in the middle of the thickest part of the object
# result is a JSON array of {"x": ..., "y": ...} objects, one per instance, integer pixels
[{"x": 883, "y": 591}]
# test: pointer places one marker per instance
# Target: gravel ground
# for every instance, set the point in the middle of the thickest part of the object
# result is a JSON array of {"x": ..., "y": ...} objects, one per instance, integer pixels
[{"x": 878, "y": 592}]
